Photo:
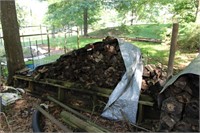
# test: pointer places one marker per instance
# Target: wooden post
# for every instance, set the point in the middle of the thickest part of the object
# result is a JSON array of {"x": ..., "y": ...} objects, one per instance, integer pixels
[
  {"x": 172, "y": 49},
  {"x": 0, "y": 103},
  {"x": 78, "y": 39},
  {"x": 48, "y": 42},
  {"x": 31, "y": 86},
  {"x": 37, "y": 47},
  {"x": 65, "y": 42},
  {"x": 41, "y": 33},
  {"x": 140, "y": 113},
  {"x": 31, "y": 52},
  {"x": 22, "y": 39},
  {"x": 65, "y": 50},
  {"x": 1, "y": 39},
  {"x": 53, "y": 31}
]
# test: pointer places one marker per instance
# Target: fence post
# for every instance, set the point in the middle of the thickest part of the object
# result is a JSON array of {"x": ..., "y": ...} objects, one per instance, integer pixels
[
  {"x": 31, "y": 52},
  {"x": 48, "y": 42},
  {"x": 65, "y": 39},
  {"x": 65, "y": 50},
  {"x": 172, "y": 49},
  {"x": 41, "y": 33},
  {"x": 37, "y": 47},
  {"x": 23, "y": 40},
  {"x": 1, "y": 39},
  {"x": 78, "y": 39}
]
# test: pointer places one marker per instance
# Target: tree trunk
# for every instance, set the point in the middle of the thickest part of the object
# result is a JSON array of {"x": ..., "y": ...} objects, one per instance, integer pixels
[
  {"x": 85, "y": 19},
  {"x": 13, "y": 48},
  {"x": 172, "y": 49},
  {"x": 198, "y": 13}
]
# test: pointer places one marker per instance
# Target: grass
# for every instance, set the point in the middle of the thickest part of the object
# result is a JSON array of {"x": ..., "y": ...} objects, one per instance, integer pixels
[
  {"x": 47, "y": 59},
  {"x": 159, "y": 53},
  {"x": 153, "y": 53},
  {"x": 71, "y": 42},
  {"x": 155, "y": 31}
]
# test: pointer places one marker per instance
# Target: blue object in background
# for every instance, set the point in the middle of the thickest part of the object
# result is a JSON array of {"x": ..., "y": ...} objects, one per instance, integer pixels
[{"x": 31, "y": 66}]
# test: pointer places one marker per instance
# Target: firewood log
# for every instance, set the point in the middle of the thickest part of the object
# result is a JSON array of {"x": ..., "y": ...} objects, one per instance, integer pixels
[{"x": 172, "y": 106}]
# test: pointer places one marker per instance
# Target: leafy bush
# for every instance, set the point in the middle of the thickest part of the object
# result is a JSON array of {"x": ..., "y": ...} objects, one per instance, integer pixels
[{"x": 189, "y": 37}]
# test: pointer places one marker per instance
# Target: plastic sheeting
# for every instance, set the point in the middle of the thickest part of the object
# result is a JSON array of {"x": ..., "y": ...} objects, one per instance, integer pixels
[
  {"x": 123, "y": 102},
  {"x": 192, "y": 68}
]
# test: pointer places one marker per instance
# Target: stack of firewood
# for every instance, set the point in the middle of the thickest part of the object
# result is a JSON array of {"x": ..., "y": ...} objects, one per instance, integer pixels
[
  {"x": 180, "y": 107},
  {"x": 154, "y": 77},
  {"x": 97, "y": 64}
]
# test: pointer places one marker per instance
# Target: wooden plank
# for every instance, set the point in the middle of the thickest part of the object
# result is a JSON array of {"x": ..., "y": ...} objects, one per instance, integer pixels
[
  {"x": 30, "y": 86},
  {"x": 55, "y": 121},
  {"x": 140, "y": 113},
  {"x": 76, "y": 113},
  {"x": 104, "y": 92},
  {"x": 147, "y": 103},
  {"x": 61, "y": 94},
  {"x": 78, "y": 122}
]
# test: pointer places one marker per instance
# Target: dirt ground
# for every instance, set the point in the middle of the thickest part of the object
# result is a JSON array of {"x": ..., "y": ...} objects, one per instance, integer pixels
[{"x": 17, "y": 117}]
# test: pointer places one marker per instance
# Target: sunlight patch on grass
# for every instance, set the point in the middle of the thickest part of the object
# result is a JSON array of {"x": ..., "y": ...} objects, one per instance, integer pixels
[
  {"x": 183, "y": 59},
  {"x": 153, "y": 53}
]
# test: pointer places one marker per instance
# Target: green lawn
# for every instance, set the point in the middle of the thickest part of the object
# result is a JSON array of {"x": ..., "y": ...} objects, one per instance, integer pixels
[
  {"x": 159, "y": 53},
  {"x": 155, "y": 31},
  {"x": 152, "y": 53},
  {"x": 71, "y": 42}
]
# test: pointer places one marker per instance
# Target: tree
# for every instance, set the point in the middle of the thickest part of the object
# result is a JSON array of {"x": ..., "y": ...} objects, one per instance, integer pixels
[
  {"x": 150, "y": 10},
  {"x": 73, "y": 13},
  {"x": 184, "y": 10},
  {"x": 197, "y": 12},
  {"x": 13, "y": 48},
  {"x": 21, "y": 14},
  {"x": 143, "y": 10}
]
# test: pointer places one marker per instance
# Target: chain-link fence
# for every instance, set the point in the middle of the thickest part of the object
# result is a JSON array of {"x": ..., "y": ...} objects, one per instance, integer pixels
[{"x": 41, "y": 44}]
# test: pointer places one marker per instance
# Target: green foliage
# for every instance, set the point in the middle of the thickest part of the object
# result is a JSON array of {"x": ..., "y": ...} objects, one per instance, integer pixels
[
  {"x": 185, "y": 10},
  {"x": 21, "y": 14},
  {"x": 143, "y": 10},
  {"x": 189, "y": 37},
  {"x": 70, "y": 12},
  {"x": 151, "y": 10}
]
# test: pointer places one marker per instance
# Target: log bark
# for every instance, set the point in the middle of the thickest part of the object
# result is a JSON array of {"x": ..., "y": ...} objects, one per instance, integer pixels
[
  {"x": 171, "y": 105},
  {"x": 180, "y": 109}
]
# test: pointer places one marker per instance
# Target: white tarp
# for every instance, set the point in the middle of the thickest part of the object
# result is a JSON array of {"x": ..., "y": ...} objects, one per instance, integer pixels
[{"x": 123, "y": 102}]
